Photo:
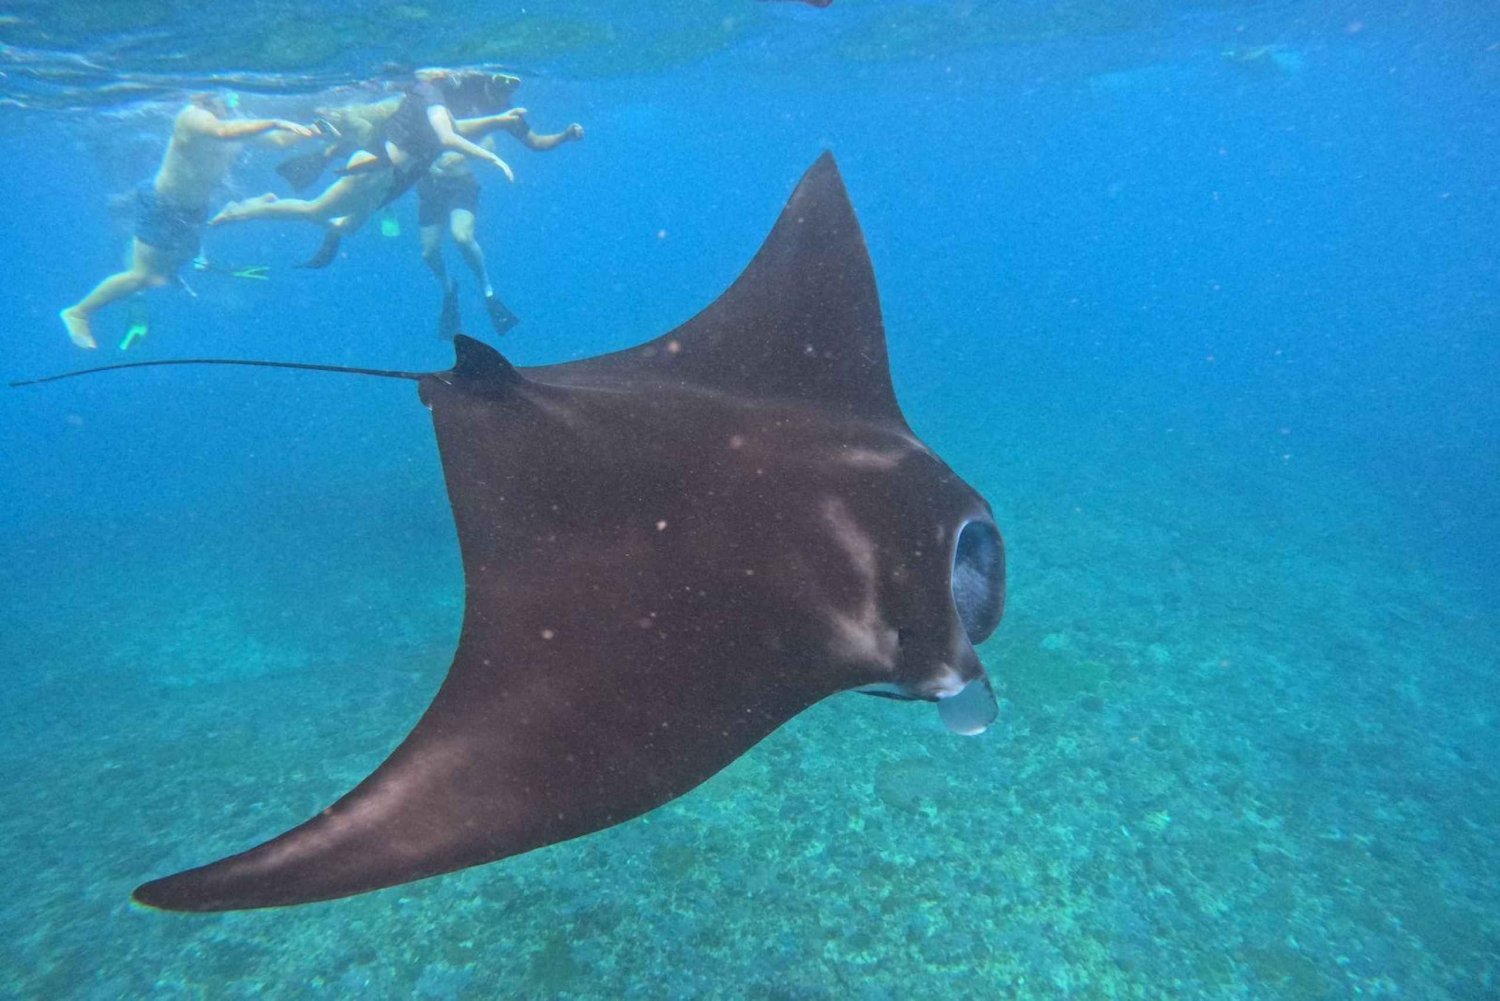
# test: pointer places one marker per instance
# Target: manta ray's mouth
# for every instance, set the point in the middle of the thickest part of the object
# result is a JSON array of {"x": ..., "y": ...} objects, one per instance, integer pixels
[
  {"x": 971, "y": 709},
  {"x": 958, "y": 683},
  {"x": 978, "y": 579},
  {"x": 966, "y": 702}
]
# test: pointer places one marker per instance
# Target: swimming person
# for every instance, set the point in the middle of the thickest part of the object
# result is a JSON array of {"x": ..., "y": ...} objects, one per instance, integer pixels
[
  {"x": 171, "y": 208},
  {"x": 349, "y": 128},
  {"x": 422, "y": 126},
  {"x": 449, "y": 194}
]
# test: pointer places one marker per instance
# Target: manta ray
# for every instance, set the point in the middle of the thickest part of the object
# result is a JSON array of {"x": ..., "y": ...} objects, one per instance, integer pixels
[{"x": 668, "y": 552}]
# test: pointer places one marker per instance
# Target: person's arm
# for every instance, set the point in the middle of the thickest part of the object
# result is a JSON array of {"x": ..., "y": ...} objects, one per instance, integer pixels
[
  {"x": 282, "y": 138},
  {"x": 199, "y": 122},
  {"x": 514, "y": 122},
  {"x": 442, "y": 124},
  {"x": 552, "y": 140},
  {"x": 473, "y": 128}
]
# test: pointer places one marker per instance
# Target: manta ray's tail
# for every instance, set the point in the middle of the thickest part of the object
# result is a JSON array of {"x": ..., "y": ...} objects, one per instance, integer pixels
[{"x": 380, "y": 372}]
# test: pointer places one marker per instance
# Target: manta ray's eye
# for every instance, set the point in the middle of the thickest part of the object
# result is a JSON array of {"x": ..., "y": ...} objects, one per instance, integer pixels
[{"x": 978, "y": 579}]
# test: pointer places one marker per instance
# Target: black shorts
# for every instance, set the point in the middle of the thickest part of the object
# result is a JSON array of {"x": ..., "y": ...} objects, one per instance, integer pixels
[
  {"x": 169, "y": 228},
  {"x": 439, "y": 194}
]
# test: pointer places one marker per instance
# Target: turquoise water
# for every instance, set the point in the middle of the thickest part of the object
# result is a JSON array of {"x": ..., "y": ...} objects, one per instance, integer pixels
[{"x": 1213, "y": 328}]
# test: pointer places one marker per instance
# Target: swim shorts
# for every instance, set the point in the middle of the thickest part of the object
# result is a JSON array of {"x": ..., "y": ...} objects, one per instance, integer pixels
[
  {"x": 170, "y": 228},
  {"x": 440, "y": 194}
]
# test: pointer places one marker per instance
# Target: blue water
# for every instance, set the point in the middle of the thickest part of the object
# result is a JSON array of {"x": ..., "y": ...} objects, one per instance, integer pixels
[{"x": 1218, "y": 340}]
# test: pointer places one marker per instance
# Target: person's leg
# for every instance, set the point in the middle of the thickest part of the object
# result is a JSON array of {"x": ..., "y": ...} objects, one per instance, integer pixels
[
  {"x": 432, "y": 252},
  {"x": 334, "y": 232},
  {"x": 432, "y": 208},
  {"x": 432, "y": 205},
  {"x": 461, "y": 222},
  {"x": 337, "y": 200},
  {"x": 461, "y": 225},
  {"x": 449, "y": 320},
  {"x": 149, "y": 268}
]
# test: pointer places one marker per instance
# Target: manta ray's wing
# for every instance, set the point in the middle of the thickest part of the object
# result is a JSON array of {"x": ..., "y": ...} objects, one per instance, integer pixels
[
  {"x": 801, "y": 324},
  {"x": 668, "y": 552}
]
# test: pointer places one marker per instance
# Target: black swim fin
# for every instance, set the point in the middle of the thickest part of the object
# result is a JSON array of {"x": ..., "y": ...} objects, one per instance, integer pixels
[
  {"x": 449, "y": 323},
  {"x": 501, "y": 319},
  {"x": 301, "y": 171},
  {"x": 326, "y": 253}
]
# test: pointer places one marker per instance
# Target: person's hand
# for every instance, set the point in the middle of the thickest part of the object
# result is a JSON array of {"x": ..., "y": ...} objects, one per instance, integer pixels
[
  {"x": 513, "y": 121},
  {"x": 510, "y": 175},
  {"x": 574, "y": 131},
  {"x": 306, "y": 132}
]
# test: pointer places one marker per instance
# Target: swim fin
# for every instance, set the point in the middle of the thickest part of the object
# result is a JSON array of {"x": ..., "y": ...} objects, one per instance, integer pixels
[
  {"x": 301, "y": 171},
  {"x": 501, "y": 319},
  {"x": 449, "y": 322},
  {"x": 389, "y": 224},
  {"x": 140, "y": 325},
  {"x": 326, "y": 253}
]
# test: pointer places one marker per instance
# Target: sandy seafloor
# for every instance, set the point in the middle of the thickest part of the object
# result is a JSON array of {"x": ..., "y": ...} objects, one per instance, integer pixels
[{"x": 1215, "y": 348}]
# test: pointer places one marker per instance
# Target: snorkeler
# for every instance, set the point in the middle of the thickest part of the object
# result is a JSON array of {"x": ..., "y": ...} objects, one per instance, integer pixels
[
  {"x": 170, "y": 210},
  {"x": 422, "y": 126},
  {"x": 450, "y": 194},
  {"x": 349, "y": 128}
]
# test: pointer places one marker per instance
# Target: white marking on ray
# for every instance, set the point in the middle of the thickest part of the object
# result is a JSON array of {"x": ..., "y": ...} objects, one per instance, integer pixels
[
  {"x": 860, "y": 633},
  {"x": 869, "y": 458}
]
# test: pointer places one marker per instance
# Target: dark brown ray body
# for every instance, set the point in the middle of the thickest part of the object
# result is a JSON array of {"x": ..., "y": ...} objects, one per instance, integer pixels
[{"x": 668, "y": 552}]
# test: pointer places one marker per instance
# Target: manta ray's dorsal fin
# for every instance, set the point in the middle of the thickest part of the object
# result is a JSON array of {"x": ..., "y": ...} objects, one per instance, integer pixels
[
  {"x": 477, "y": 362},
  {"x": 801, "y": 323},
  {"x": 478, "y": 370}
]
